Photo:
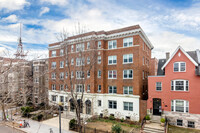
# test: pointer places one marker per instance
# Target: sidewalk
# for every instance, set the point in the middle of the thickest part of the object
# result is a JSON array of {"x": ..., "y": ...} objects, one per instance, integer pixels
[{"x": 44, "y": 127}]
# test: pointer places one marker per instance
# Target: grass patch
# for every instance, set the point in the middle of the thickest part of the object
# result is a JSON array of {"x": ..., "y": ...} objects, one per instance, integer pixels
[{"x": 174, "y": 129}]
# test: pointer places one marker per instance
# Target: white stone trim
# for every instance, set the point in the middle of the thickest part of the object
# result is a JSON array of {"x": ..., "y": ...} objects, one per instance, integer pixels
[{"x": 179, "y": 47}]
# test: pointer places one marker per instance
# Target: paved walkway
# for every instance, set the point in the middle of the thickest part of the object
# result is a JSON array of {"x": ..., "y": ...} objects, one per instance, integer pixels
[
  {"x": 44, "y": 127},
  {"x": 155, "y": 125}
]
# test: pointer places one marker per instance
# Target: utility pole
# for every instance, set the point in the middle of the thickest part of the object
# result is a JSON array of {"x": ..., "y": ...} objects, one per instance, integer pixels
[{"x": 59, "y": 107}]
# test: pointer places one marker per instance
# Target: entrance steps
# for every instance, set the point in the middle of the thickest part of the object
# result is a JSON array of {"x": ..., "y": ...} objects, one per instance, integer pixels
[
  {"x": 153, "y": 128},
  {"x": 155, "y": 119}
]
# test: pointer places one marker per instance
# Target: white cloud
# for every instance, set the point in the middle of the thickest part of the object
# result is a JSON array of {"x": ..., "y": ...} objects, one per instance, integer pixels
[
  {"x": 55, "y": 2},
  {"x": 166, "y": 41},
  {"x": 44, "y": 10},
  {"x": 12, "y": 18},
  {"x": 12, "y": 5}
]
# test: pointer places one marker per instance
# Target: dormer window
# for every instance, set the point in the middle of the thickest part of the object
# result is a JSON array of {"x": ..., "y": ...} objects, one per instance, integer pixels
[{"x": 179, "y": 67}]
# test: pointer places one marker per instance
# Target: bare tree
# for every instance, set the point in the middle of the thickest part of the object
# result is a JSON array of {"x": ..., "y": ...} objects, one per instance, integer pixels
[{"x": 79, "y": 63}]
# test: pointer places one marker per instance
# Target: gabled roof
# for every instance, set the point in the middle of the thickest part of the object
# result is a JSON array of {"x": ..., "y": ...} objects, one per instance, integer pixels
[{"x": 186, "y": 54}]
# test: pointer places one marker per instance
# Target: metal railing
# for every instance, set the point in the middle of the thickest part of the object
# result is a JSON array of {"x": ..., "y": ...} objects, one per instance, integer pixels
[
  {"x": 143, "y": 122},
  {"x": 166, "y": 125}
]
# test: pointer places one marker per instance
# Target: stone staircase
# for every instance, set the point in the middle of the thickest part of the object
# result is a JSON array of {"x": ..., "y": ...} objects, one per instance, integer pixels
[
  {"x": 152, "y": 130},
  {"x": 154, "y": 126}
]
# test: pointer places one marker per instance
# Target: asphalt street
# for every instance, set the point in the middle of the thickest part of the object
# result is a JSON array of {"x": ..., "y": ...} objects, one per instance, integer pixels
[{"x": 6, "y": 129}]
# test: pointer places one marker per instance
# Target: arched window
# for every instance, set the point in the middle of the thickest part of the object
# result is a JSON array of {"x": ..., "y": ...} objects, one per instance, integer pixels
[{"x": 88, "y": 106}]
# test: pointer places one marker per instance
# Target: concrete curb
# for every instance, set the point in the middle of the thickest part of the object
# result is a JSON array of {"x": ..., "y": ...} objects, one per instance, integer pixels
[{"x": 16, "y": 128}]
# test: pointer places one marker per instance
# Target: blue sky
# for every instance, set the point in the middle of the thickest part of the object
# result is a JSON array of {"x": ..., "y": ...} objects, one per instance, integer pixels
[{"x": 167, "y": 23}]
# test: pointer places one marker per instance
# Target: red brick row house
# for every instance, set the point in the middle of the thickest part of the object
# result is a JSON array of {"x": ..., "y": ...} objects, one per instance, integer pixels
[{"x": 175, "y": 91}]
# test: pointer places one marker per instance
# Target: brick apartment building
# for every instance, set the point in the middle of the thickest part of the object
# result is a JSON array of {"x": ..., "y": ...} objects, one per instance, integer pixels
[
  {"x": 175, "y": 91},
  {"x": 40, "y": 81},
  {"x": 117, "y": 83}
]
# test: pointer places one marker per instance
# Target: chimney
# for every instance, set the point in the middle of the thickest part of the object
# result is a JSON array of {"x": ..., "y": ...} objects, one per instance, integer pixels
[{"x": 167, "y": 55}]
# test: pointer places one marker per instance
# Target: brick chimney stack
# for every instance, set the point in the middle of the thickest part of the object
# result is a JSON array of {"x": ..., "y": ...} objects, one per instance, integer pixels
[{"x": 167, "y": 55}]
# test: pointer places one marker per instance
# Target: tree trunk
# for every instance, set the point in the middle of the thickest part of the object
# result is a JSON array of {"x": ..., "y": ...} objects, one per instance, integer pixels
[{"x": 4, "y": 113}]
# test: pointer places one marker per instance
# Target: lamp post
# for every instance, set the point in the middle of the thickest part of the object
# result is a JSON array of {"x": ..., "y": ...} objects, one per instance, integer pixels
[{"x": 59, "y": 107}]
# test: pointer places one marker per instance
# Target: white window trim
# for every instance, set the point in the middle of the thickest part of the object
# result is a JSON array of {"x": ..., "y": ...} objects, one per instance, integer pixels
[
  {"x": 161, "y": 86},
  {"x": 128, "y": 90},
  {"x": 179, "y": 67},
  {"x": 112, "y": 60},
  {"x": 112, "y": 89},
  {"x": 128, "y": 41},
  {"x": 62, "y": 62},
  {"x": 112, "y": 74},
  {"x": 128, "y": 58},
  {"x": 98, "y": 88},
  {"x": 184, "y": 83},
  {"x": 112, "y": 44},
  {"x": 174, "y": 102},
  {"x": 128, "y": 106},
  {"x": 128, "y": 74},
  {"x": 53, "y": 55}
]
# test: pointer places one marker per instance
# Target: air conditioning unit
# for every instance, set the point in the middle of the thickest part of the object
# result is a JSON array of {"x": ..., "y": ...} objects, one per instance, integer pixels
[{"x": 197, "y": 71}]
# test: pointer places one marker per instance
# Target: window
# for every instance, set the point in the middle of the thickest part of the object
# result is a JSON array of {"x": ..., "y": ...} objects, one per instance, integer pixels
[
  {"x": 128, "y": 58},
  {"x": 128, "y": 42},
  {"x": 53, "y": 87},
  {"x": 179, "y": 122},
  {"x": 36, "y": 80},
  {"x": 128, "y": 106},
  {"x": 180, "y": 106},
  {"x": 80, "y": 61},
  {"x": 88, "y": 60},
  {"x": 99, "y": 103},
  {"x": 79, "y": 74},
  {"x": 99, "y": 59},
  {"x": 61, "y": 52},
  {"x": 61, "y": 99},
  {"x": 53, "y": 98},
  {"x": 179, "y": 67},
  {"x": 53, "y": 75},
  {"x": 143, "y": 60},
  {"x": 158, "y": 86},
  {"x": 128, "y": 74},
  {"x": 112, "y": 89},
  {"x": 99, "y": 88},
  {"x": 72, "y": 74},
  {"x": 99, "y": 74},
  {"x": 179, "y": 85},
  {"x": 36, "y": 90},
  {"x": 79, "y": 88},
  {"x": 88, "y": 88},
  {"x": 66, "y": 50},
  {"x": 61, "y": 64},
  {"x": 72, "y": 61},
  {"x": 53, "y": 53},
  {"x": 36, "y": 68},
  {"x": 66, "y": 74},
  {"x": 143, "y": 75},
  {"x": 99, "y": 44},
  {"x": 66, "y": 63},
  {"x": 61, "y": 87},
  {"x": 62, "y": 75},
  {"x": 112, "y": 104},
  {"x": 80, "y": 47},
  {"x": 112, "y": 60},
  {"x": 128, "y": 90},
  {"x": 112, "y": 74},
  {"x": 112, "y": 44},
  {"x": 191, "y": 124},
  {"x": 53, "y": 65},
  {"x": 88, "y": 45},
  {"x": 88, "y": 74},
  {"x": 72, "y": 48}
]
